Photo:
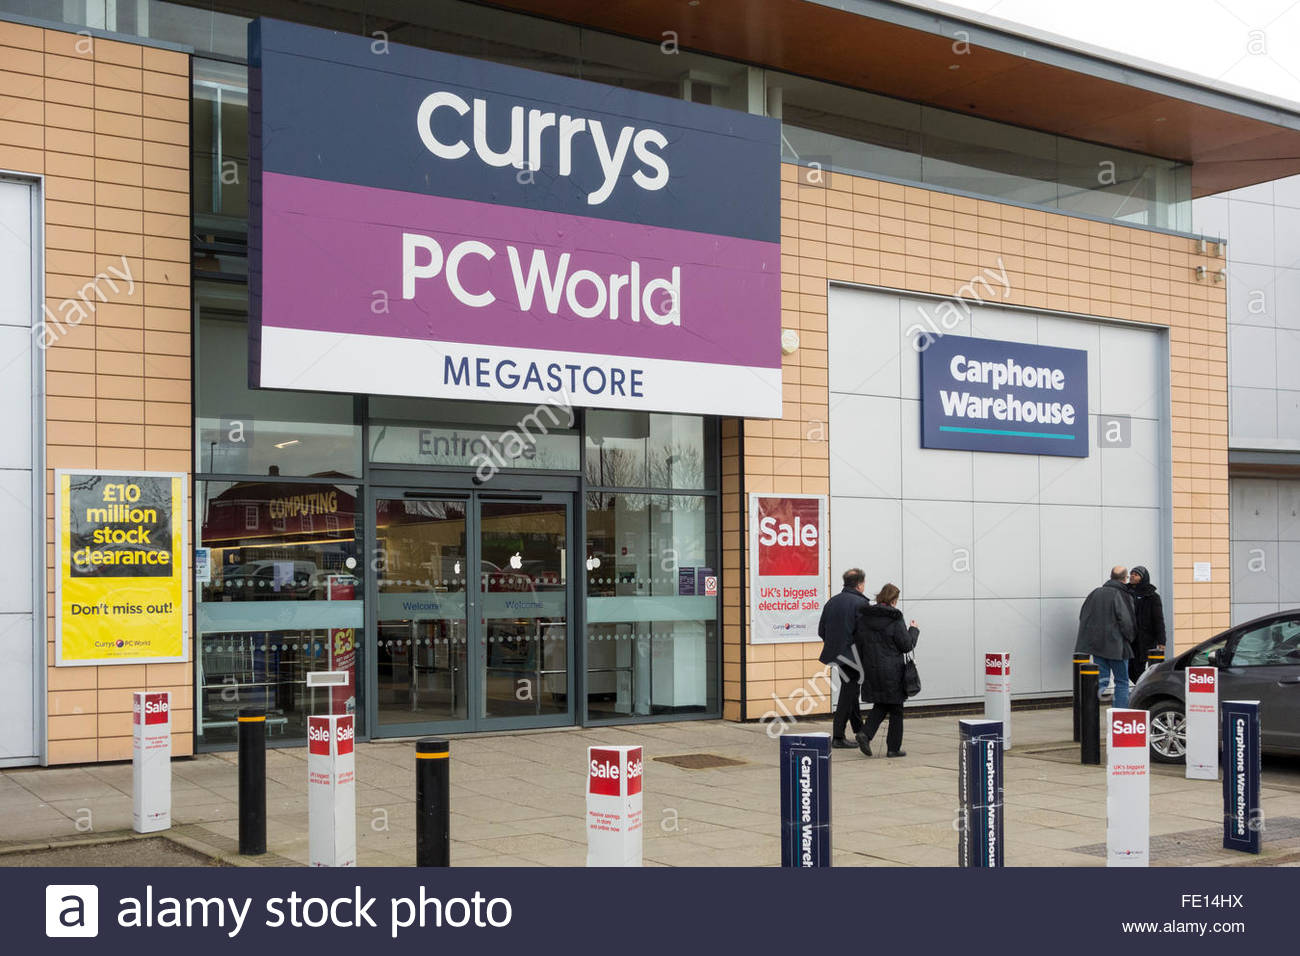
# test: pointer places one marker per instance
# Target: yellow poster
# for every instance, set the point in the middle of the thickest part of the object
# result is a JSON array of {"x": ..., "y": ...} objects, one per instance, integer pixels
[{"x": 121, "y": 556}]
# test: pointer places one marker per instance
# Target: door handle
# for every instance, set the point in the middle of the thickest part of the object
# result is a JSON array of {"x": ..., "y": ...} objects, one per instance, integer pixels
[{"x": 1288, "y": 680}]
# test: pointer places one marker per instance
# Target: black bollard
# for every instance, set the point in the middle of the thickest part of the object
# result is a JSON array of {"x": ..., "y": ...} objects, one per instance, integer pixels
[
  {"x": 1079, "y": 661},
  {"x": 432, "y": 802},
  {"x": 1089, "y": 716},
  {"x": 1155, "y": 657},
  {"x": 252, "y": 781}
]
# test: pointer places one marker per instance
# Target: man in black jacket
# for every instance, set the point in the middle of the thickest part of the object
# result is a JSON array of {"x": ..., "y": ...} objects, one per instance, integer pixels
[
  {"x": 839, "y": 617},
  {"x": 1148, "y": 620}
]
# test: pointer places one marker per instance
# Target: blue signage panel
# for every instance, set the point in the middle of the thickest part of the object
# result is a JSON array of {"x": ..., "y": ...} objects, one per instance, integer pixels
[
  {"x": 980, "y": 831},
  {"x": 1243, "y": 818},
  {"x": 806, "y": 800},
  {"x": 333, "y": 107},
  {"x": 988, "y": 395}
]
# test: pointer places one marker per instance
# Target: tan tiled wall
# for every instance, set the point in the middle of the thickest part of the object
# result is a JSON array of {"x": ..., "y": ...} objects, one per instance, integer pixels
[
  {"x": 107, "y": 123},
  {"x": 863, "y": 231}
]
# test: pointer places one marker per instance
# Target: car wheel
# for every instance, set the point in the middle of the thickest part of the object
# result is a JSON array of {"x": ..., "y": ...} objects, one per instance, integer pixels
[{"x": 1168, "y": 732}]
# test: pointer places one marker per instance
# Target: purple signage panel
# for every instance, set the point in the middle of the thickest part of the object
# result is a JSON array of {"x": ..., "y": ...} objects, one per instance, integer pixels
[{"x": 428, "y": 225}]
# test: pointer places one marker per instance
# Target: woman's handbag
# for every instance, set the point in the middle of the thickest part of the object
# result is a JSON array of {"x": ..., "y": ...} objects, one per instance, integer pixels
[{"x": 911, "y": 678}]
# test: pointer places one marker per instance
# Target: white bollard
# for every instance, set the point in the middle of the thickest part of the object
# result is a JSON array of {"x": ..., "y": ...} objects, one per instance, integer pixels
[
  {"x": 614, "y": 825},
  {"x": 1201, "y": 694},
  {"x": 1128, "y": 788},
  {"x": 331, "y": 790},
  {"x": 997, "y": 691},
  {"x": 151, "y": 761}
]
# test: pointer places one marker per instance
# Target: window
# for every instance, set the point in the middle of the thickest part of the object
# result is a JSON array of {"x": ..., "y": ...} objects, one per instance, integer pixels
[
  {"x": 1271, "y": 645},
  {"x": 651, "y": 607},
  {"x": 283, "y": 600},
  {"x": 250, "y": 431},
  {"x": 1202, "y": 657},
  {"x": 649, "y": 450}
]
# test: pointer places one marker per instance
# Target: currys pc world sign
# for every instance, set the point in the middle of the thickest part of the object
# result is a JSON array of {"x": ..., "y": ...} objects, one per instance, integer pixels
[
  {"x": 989, "y": 395},
  {"x": 428, "y": 225}
]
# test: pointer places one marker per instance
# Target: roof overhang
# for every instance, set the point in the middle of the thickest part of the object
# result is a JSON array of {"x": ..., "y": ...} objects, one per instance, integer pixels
[{"x": 1230, "y": 138}]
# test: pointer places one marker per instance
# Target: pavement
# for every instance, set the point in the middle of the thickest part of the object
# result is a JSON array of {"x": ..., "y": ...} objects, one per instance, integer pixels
[{"x": 518, "y": 800}]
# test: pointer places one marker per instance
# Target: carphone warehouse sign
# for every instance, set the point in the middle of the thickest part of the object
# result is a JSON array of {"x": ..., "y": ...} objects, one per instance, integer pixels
[
  {"x": 987, "y": 395},
  {"x": 424, "y": 224}
]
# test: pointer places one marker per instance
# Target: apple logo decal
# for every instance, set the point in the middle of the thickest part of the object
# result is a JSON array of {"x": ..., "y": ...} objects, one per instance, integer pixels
[{"x": 516, "y": 561}]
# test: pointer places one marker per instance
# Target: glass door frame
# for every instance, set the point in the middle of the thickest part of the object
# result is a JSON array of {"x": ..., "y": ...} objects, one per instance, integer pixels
[{"x": 400, "y": 484}]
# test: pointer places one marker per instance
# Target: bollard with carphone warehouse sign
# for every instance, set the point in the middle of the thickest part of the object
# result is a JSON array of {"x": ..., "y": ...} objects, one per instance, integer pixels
[
  {"x": 614, "y": 806},
  {"x": 1201, "y": 692},
  {"x": 1128, "y": 788},
  {"x": 332, "y": 790},
  {"x": 1243, "y": 818},
  {"x": 151, "y": 761},
  {"x": 980, "y": 822},
  {"x": 997, "y": 691},
  {"x": 805, "y": 764}
]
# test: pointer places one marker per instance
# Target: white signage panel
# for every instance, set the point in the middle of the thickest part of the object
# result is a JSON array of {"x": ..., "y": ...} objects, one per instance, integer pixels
[
  {"x": 1128, "y": 788},
  {"x": 332, "y": 790},
  {"x": 788, "y": 567},
  {"x": 151, "y": 761},
  {"x": 1201, "y": 694},
  {"x": 997, "y": 691},
  {"x": 614, "y": 806}
]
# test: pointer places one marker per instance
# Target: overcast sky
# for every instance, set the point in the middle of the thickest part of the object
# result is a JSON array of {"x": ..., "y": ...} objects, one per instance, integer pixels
[{"x": 1253, "y": 44}]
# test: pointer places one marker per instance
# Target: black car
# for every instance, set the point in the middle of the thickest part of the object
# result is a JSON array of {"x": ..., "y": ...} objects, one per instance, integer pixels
[{"x": 1258, "y": 660}]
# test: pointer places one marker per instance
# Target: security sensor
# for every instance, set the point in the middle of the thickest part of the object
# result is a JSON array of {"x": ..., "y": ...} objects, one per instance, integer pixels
[
  {"x": 1200, "y": 272},
  {"x": 789, "y": 341}
]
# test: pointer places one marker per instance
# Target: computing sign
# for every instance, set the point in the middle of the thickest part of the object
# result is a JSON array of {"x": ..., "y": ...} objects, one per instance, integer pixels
[
  {"x": 429, "y": 225},
  {"x": 987, "y": 395}
]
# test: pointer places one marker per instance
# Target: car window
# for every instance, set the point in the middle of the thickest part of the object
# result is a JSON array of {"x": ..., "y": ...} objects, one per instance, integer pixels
[
  {"x": 1269, "y": 645},
  {"x": 1201, "y": 657}
]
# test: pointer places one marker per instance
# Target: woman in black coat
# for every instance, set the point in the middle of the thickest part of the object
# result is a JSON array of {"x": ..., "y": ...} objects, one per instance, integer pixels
[
  {"x": 882, "y": 639},
  {"x": 1148, "y": 620}
]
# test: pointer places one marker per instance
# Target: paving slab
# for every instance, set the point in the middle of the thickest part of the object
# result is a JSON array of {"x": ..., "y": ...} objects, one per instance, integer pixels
[{"x": 518, "y": 800}]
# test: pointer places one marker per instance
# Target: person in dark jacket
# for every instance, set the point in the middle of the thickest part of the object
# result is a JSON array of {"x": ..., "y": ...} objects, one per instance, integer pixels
[
  {"x": 839, "y": 617},
  {"x": 1148, "y": 620},
  {"x": 882, "y": 640},
  {"x": 1106, "y": 632}
]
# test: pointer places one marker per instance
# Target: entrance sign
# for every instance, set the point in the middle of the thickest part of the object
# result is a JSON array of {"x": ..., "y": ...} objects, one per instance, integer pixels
[
  {"x": 332, "y": 790},
  {"x": 151, "y": 761},
  {"x": 614, "y": 803},
  {"x": 806, "y": 800},
  {"x": 122, "y": 595},
  {"x": 1128, "y": 788},
  {"x": 430, "y": 225},
  {"x": 988, "y": 395},
  {"x": 997, "y": 691},
  {"x": 787, "y": 560},
  {"x": 1201, "y": 692},
  {"x": 1243, "y": 817},
  {"x": 981, "y": 822}
]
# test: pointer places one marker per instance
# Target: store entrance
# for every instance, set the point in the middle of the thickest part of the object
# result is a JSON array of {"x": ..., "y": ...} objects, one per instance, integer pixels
[{"x": 472, "y": 598}]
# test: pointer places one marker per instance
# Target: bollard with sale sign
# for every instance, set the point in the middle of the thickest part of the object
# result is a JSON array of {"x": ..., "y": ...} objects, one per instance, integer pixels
[
  {"x": 332, "y": 790},
  {"x": 614, "y": 804},
  {"x": 1202, "y": 722},
  {"x": 1128, "y": 788},
  {"x": 151, "y": 761},
  {"x": 997, "y": 691}
]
